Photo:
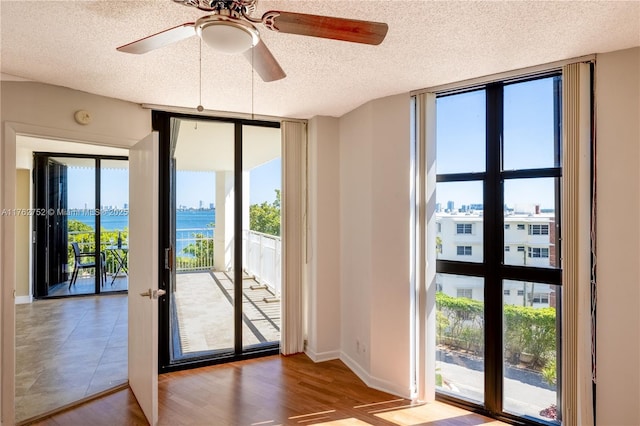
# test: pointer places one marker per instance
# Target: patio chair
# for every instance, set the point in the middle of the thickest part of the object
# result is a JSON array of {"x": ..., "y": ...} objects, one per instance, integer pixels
[{"x": 80, "y": 264}]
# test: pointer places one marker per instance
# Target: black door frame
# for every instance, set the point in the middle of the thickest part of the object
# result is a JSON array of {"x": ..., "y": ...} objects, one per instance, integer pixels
[
  {"x": 161, "y": 122},
  {"x": 40, "y": 221}
]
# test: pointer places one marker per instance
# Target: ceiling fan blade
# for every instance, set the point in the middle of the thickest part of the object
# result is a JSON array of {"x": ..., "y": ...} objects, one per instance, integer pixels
[
  {"x": 366, "y": 32},
  {"x": 264, "y": 63},
  {"x": 160, "y": 39}
]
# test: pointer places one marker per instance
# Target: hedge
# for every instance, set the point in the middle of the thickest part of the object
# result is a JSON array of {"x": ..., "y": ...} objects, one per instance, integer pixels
[{"x": 527, "y": 330}]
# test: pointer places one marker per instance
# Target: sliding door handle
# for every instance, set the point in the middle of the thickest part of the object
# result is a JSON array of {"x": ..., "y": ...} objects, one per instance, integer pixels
[{"x": 168, "y": 258}]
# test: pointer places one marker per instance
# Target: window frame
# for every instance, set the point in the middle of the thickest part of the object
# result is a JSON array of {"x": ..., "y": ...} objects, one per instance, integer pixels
[
  {"x": 492, "y": 267},
  {"x": 540, "y": 227},
  {"x": 462, "y": 292},
  {"x": 537, "y": 252},
  {"x": 465, "y": 227},
  {"x": 464, "y": 251}
]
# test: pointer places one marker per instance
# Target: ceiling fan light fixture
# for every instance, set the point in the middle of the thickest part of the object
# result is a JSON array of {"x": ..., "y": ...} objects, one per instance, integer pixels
[{"x": 228, "y": 35}]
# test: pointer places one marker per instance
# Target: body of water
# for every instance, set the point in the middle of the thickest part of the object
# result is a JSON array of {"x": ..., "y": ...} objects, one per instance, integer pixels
[
  {"x": 188, "y": 222},
  {"x": 118, "y": 220}
]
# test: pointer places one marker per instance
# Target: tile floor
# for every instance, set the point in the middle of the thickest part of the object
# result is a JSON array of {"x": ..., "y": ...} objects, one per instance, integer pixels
[
  {"x": 204, "y": 305},
  {"x": 67, "y": 349}
]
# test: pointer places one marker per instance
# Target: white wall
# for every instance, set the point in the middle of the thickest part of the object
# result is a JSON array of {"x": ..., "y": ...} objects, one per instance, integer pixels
[
  {"x": 323, "y": 303},
  {"x": 618, "y": 238},
  {"x": 23, "y": 196},
  {"x": 391, "y": 227},
  {"x": 115, "y": 122},
  {"x": 374, "y": 220},
  {"x": 356, "y": 239},
  {"x": 43, "y": 110}
]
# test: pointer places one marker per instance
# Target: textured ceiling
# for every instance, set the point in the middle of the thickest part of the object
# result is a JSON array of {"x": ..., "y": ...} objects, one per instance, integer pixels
[{"x": 73, "y": 44}]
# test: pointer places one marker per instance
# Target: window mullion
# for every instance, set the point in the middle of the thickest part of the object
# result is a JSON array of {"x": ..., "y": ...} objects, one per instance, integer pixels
[{"x": 493, "y": 243}]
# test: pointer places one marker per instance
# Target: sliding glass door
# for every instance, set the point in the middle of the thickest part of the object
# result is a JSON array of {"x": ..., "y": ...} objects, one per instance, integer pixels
[
  {"x": 81, "y": 224},
  {"x": 220, "y": 221}
]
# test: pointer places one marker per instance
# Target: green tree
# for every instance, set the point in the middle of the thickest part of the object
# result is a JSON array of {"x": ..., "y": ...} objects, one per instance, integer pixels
[
  {"x": 265, "y": 217},
  {"x": 201, "y": 249},
  {"x": 84, "y": 235},
  {"x": 74, "y": 225}
]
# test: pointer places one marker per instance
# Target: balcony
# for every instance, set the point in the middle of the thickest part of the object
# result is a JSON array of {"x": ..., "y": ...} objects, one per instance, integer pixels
[{"x": 204, "y": 294}]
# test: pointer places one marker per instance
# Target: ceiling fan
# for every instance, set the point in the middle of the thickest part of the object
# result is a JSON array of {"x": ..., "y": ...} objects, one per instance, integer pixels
[{"x": 230, "y": 29}]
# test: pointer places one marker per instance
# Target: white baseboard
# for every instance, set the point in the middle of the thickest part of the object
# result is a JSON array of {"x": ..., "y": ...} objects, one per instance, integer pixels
[
  {"x": 355, "y": 367},
  {"x": 372, "y": 381},
  {"x": 322, "y": 356},
  {"x": 23, "y": 299},
  {"x": 388, "y": 387}
]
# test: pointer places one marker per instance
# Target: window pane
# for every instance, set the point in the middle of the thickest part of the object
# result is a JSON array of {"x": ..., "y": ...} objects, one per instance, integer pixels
[
  {"x": 460, "y": 134},
  {"x": 459, "y": 221},
  {"x": 530, "y": 222},
  {"x": 261, "y": 241},
  {"x": 79, "y": 224},
  {"x": 202, "y": 307},
  {"x": 114, "y": 223},
  {"x": 529, "y": 125},
  {"x": 530, "y": 348},
  {"x": 460, "y": 336}
]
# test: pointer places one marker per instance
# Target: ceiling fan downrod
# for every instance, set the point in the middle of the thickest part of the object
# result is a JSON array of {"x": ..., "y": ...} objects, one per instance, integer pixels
[{"x": 233, "y": 7}]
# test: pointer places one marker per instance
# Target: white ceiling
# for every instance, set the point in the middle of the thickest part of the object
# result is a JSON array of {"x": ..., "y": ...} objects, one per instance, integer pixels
[{"x": 73, "y": 44}]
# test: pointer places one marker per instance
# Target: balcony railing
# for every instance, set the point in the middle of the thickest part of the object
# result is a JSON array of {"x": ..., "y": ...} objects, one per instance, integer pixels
[
  {"x": 262, "y": 259},
  {"x": 195, "y": 248}
]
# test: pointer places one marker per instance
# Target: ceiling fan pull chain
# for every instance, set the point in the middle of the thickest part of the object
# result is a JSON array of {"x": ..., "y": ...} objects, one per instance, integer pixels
[{"x": 200, "y": 107}]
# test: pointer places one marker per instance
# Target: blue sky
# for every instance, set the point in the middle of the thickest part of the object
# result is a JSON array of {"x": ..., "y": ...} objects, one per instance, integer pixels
[
  {"x": 192, "y": 186},
  {"x": 528, "y": 142},
  {"x": 264, "y": 179}
]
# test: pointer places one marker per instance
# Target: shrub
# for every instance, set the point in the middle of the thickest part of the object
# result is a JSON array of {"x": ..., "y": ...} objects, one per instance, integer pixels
[{"x": 460, "y": 324}]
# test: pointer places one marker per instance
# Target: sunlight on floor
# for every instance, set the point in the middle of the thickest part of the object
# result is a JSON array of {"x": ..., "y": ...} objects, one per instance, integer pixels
[
  {"x": 343, "y": 422},
  {"x": 435, "y": 412}
]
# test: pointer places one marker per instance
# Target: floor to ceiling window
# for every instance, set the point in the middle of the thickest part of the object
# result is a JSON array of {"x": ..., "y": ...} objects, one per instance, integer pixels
[
  {"x": 497, "y": 232},
  {"x": 221, "y": 248}
]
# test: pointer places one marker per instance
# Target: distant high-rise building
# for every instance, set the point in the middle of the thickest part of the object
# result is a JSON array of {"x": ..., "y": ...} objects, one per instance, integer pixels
[
  {"x": 451, "y": 206},
  {"x": 210, "y": 206},
  {"x": 438, "y": 207},
  {"x": 201, "y": 204},
  {"x": 125, "y": 206}
]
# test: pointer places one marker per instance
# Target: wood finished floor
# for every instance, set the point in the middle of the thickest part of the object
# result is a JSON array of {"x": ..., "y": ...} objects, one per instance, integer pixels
[{"x": 268, "y": 391}]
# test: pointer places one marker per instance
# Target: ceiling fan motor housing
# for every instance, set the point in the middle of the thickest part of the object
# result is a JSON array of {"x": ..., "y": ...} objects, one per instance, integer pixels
[{"x": 227, "y": 34}]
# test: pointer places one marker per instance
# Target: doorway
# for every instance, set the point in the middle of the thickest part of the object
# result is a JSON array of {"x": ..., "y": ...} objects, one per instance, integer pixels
[
  {"x": 71, "y": 348},
  {"x": 220, "y": 221}
]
